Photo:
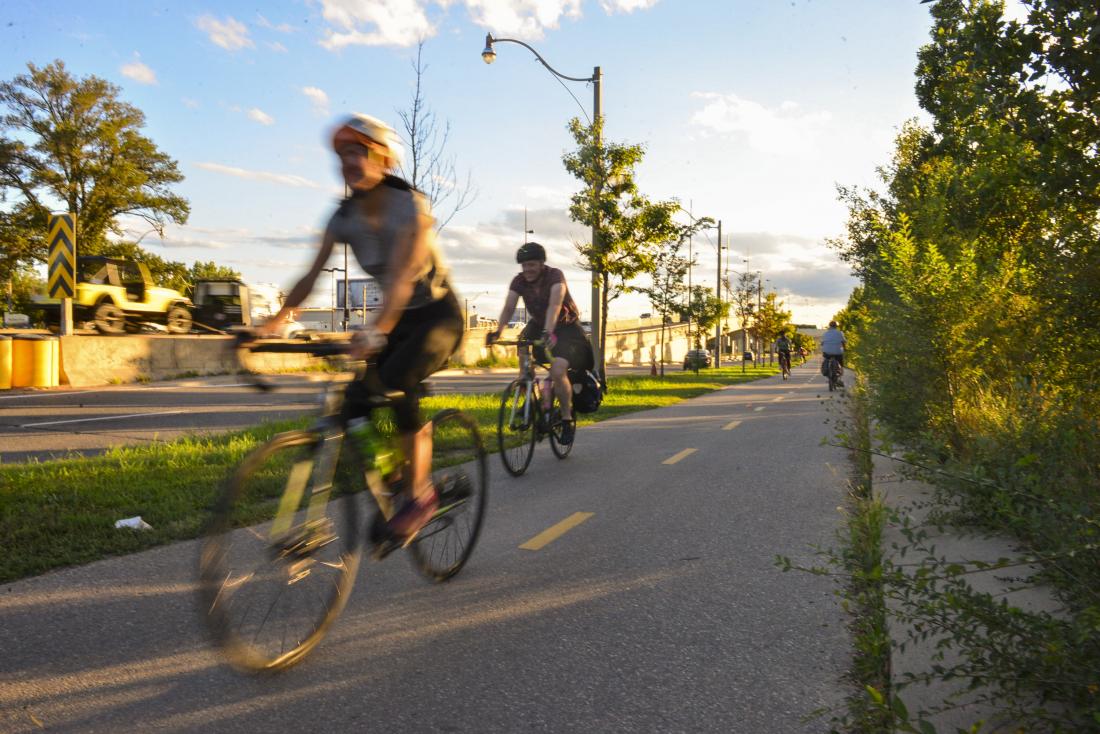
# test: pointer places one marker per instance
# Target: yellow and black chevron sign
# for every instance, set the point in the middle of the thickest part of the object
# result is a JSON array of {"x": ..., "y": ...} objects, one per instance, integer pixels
[{"x": 62, "y": 263}]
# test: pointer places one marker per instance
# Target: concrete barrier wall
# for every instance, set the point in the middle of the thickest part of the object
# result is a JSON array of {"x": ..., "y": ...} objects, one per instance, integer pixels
[{"x": 100, "y": 360}]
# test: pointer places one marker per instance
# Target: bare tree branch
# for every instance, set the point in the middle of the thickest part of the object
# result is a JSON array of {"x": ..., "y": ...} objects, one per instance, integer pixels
[{"x": 428, "y": 166}]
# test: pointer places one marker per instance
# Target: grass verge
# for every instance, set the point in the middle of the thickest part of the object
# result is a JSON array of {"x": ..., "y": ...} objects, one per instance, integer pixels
[{"x": 62, "y": 512}]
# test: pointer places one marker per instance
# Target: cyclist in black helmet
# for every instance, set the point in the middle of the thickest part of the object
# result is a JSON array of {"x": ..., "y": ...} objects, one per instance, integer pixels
[{"x": 554, "y": 315}]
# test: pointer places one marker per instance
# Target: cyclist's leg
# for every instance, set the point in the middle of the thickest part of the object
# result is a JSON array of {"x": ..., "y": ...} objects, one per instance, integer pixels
[
  {"x": 421, "y": 344},
  {"x": 563, "y": 388}
]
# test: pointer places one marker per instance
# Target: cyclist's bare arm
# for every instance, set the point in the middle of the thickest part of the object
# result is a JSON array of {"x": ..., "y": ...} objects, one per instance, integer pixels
[
  {"x": 553, "y": 307},
  {"x": 304, "y": 286}
]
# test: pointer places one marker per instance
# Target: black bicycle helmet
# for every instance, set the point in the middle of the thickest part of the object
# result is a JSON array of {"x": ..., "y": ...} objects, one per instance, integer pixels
[{"x": 531, "y": 251}]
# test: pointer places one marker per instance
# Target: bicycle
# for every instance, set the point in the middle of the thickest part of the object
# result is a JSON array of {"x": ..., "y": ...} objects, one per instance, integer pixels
[
  {"x": 284, "y": 541},
  {"x": 523, "y": 420},
  {"x": 832, "y": 371},
  {"x": 785, "y": 365}
]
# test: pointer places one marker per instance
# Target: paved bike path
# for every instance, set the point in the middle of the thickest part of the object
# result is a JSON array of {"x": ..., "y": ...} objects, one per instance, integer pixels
[{"x": 660, "y": 611}]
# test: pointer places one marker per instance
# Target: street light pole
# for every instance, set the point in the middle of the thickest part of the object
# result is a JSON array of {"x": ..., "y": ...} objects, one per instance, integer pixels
[
  {"x": 489, "y": 56},
  {"x": 718, "y": 290}
]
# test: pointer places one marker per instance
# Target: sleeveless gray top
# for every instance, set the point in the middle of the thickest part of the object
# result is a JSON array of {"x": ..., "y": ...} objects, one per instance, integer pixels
[{"x": 373, "y": 245}]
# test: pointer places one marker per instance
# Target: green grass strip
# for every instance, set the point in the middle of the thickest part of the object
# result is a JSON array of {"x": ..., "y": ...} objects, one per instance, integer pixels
[{"x": 62, "y": 512}]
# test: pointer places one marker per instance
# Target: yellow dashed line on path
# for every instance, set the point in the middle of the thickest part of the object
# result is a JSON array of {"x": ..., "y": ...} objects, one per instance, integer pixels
[
  {"x": 682, "y": 455},
  {"x": 758, "y": 409},
  {"x": 778, "y": 398},
  {"x": 552, "y": 533},
  {"x": 731, "y": 425}
]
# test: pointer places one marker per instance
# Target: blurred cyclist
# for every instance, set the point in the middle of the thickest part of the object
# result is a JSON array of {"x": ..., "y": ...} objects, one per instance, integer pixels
[
  {"x": 554, "y": 315},
  {"x": 783, "y": 346},
  {"x": 832, "y": 345},
  {"x": 389, "y": 227}
]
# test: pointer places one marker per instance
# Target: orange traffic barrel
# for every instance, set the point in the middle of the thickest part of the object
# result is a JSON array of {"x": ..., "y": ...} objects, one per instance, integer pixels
[
  {"x": 33, "y": 362},
  {"x": 5, "y": 362}
]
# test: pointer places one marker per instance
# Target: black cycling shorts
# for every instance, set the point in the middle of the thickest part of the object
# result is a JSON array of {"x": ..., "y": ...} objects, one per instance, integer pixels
[
  {"x": 421, "y": 343},
  {"x": 572, "y": 345}
]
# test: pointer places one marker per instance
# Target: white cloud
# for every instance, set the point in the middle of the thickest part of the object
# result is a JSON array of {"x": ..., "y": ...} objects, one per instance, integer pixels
[
  {"x": 318, "y": 98},
  {"x": 404, "y": 22},
  {"x": 230, "y": 34},
  {"x": 625, "y": 6},
  {"x": 189, "y": 103},
  {"x": 375, "y": 23},
  {"x": 521, "y": 18},
  {"x": 281, "y": 27},
  {"x": 260, "y": 116},
  {"x": 283, "y": 179},
  {"x": 785, "y": 129},
  {"x": 276, "y": 46},
  {"x": 139, "y": 72}
]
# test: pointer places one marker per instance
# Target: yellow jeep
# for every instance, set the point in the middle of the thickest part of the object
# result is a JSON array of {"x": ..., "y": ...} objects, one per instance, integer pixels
[{"x": 117, "y": 295}]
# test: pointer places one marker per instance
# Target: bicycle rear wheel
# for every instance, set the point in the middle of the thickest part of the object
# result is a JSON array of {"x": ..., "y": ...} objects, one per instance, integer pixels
[
  {"x": 270, "y": 591},
  {"x": 460, "y": 474},
  {"x": 516, "y": 427},
  {"x": 561, "y": 450}
]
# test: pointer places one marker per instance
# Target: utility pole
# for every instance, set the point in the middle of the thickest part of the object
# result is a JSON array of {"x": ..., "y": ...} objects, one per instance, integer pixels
[
  {"x": 347, "y": 302},
  {"x": 759, "y": 295},
  {"x": 718, "y": 321}
]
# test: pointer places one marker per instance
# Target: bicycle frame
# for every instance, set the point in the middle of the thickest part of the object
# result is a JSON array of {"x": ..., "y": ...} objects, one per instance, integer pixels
[{"x": 532, "y": 392}]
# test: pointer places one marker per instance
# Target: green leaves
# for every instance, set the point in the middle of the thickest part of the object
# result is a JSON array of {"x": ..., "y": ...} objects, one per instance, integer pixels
[{"x": 72, "y": 144}]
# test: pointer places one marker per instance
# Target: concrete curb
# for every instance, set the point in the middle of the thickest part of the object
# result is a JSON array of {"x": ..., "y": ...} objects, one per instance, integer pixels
[{"x": 914, "y": 499}]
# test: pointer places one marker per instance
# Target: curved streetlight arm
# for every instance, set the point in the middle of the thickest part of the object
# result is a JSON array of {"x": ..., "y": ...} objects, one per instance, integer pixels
[{"x": 489, "y": 41}]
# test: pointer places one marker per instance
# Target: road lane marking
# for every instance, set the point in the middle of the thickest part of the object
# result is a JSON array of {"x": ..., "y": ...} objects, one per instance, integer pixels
[
  {"x": 778, "y": 399},
  {"x": 72, "y": 393},
  {"x": 758, "y": 409},
  {"x": 552, "y": 533},
  {"x": 682, "y": 455},
  {"x": 103, "y": 418},
  {"x": 731, "y": 425}
]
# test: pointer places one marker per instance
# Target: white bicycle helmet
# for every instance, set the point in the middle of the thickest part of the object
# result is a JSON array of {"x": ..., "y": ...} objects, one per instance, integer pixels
[{"x": 357, "y": 126}]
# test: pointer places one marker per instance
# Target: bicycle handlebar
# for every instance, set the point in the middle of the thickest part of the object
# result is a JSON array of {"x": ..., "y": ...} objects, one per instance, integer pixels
[{"x": 246, "y": 340}]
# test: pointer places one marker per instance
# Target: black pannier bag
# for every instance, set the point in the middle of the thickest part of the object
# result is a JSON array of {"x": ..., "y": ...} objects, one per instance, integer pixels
[{"x": 588, "y": 391}]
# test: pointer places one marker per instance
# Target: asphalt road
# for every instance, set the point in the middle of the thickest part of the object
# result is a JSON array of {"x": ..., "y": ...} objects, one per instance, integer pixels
[
  {"x": 40, "y": 425},
  {"x": 661, "y": 611}
]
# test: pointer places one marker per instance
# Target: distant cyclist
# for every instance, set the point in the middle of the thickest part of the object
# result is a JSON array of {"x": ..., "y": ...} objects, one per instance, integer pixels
[
  {"x": 390, "y": 230},
  {"x": 783, "y": 346},
  {"x": 553, "y": 317},
  {"x": 832, "y": 345}
]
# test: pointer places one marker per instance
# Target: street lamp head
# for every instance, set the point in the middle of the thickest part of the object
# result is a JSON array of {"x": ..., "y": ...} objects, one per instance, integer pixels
[{"x": 488, "y": 55}]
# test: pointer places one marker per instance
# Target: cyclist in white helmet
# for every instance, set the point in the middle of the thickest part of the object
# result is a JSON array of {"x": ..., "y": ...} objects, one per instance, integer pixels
[{"x": 389, "y": 227}]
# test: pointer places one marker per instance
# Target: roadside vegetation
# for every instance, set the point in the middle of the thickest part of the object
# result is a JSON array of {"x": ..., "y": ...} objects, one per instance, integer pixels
[
  {"x": 62, "y": 512},
  {"x": 977, "y": 327}
]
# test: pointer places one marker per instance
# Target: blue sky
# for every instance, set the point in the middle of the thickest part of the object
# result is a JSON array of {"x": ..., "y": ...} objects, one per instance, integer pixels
[{"x": 752, "y": 111}]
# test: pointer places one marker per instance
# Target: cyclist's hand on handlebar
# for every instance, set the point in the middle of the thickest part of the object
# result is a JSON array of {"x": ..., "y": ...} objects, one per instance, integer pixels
[
  {"x": 549, "y": 339},
  {"x": 491, "y": 337},
  {"x": 366, "y": 343}
]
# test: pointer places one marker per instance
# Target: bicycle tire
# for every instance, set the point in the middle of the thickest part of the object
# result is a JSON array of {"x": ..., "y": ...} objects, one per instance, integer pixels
[
  {"x": 561, "y": 450},
  {"x": 460, "y": 474},
  {"x": 516, "y": 440},
  {"x": 315, "y": 561}
]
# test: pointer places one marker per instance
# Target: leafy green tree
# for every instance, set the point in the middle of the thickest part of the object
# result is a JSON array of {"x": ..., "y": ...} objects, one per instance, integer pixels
[
  {"x": 977, "y": 322},
  {"x": 744, "y": 305},
  {"x": 704, "y": 309},
  {"x": 632, "y": 229},
  {"x": 72, "y": 144},
  {"x": 668, "y": 286},
  {"x": 771, "y": 319}
]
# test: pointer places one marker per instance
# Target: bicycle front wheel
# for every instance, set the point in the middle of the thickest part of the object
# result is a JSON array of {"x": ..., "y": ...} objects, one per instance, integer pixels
[
  {"x": 280, "y": 555},
  {"x": 460, "y": 474},
  {"x": 516, "y": 427}
]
